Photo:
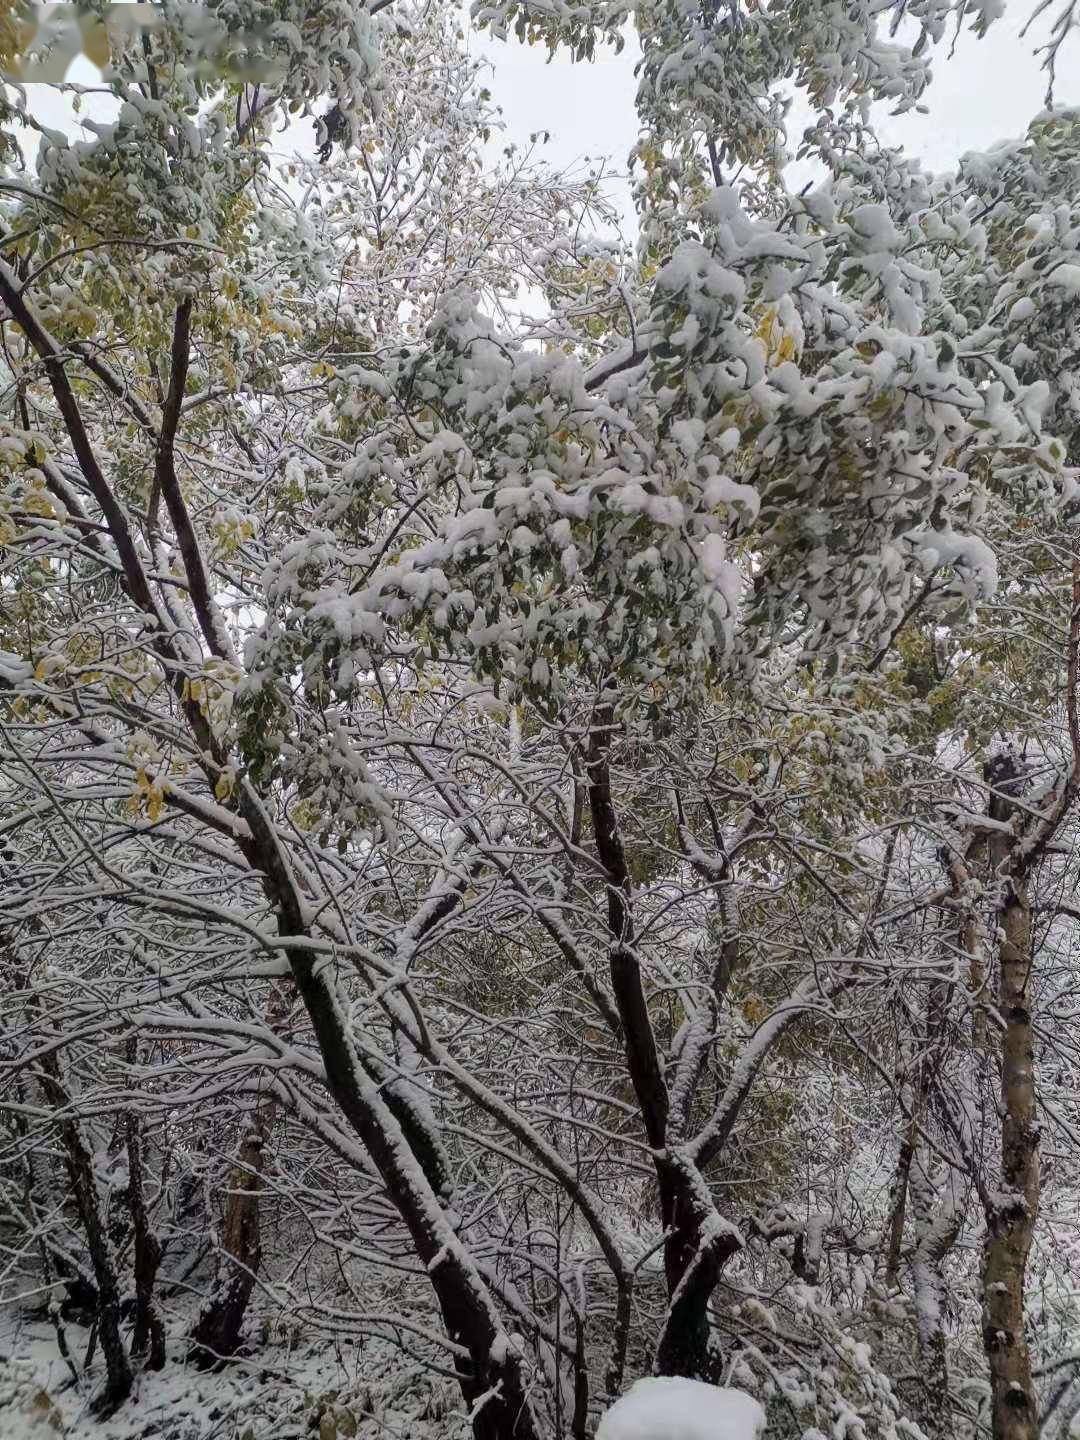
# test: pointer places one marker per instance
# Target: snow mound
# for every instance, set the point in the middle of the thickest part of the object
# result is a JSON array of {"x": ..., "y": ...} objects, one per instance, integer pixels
[{"x": 667, "y": 1408}]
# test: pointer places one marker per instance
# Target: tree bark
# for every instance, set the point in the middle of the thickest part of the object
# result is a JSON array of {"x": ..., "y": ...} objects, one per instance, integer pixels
[
  {"x": 217, "y": 1331},
  {"x": 936, "y": 1223},
  {"x": 491, "y": 1377},
  {"x": 1012, "y": 1210},
  {"x": 148, "y": 1336},
  {"x": 699, "y": 1246},
  {"x": 80, "y": 1168},
  {"x": 79, "y": 1165},
  {"x": 697, "y": 1241},
  {"x": 898, "y": 1202}
]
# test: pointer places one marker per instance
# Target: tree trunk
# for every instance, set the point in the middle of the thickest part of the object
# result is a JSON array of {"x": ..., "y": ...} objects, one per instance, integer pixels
[
  {"x": 148, "y": 1336},
  {"x": 491, "y": 1377},
  {"x": 937, "y": 1220},
  {"x": 218, "y": 1329},
  {"x": 699, "y": 1245},
  {"x": 80, "y": 1168},
  {"x": 1012, "y": 1210},
  {"x": 898, "y": 1197},
  {"x": 698, "y": 1241}
]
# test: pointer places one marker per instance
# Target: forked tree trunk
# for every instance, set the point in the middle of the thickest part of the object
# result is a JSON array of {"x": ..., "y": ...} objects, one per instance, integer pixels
[{"x": 699, "y": 1246}]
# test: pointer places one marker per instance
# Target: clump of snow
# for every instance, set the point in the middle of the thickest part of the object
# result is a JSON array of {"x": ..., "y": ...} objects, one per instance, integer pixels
[
  {"x": 1067, "y": 278},
  {"x": 668, "y": 1408}
]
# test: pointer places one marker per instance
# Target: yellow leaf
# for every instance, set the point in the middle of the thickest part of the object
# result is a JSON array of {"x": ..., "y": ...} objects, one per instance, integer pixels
[
  {"x": 38, "y": 504},
  {"x": 96, "y": 42},
  {"x": 754, "y": 1009}
]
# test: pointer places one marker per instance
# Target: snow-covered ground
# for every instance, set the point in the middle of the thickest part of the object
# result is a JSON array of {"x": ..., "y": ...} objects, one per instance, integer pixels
[{"x": 284, "y": 1389}]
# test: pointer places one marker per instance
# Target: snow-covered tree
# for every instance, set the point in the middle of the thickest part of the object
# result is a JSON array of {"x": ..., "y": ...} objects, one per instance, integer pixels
[{"x": 537, "y": 776}]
